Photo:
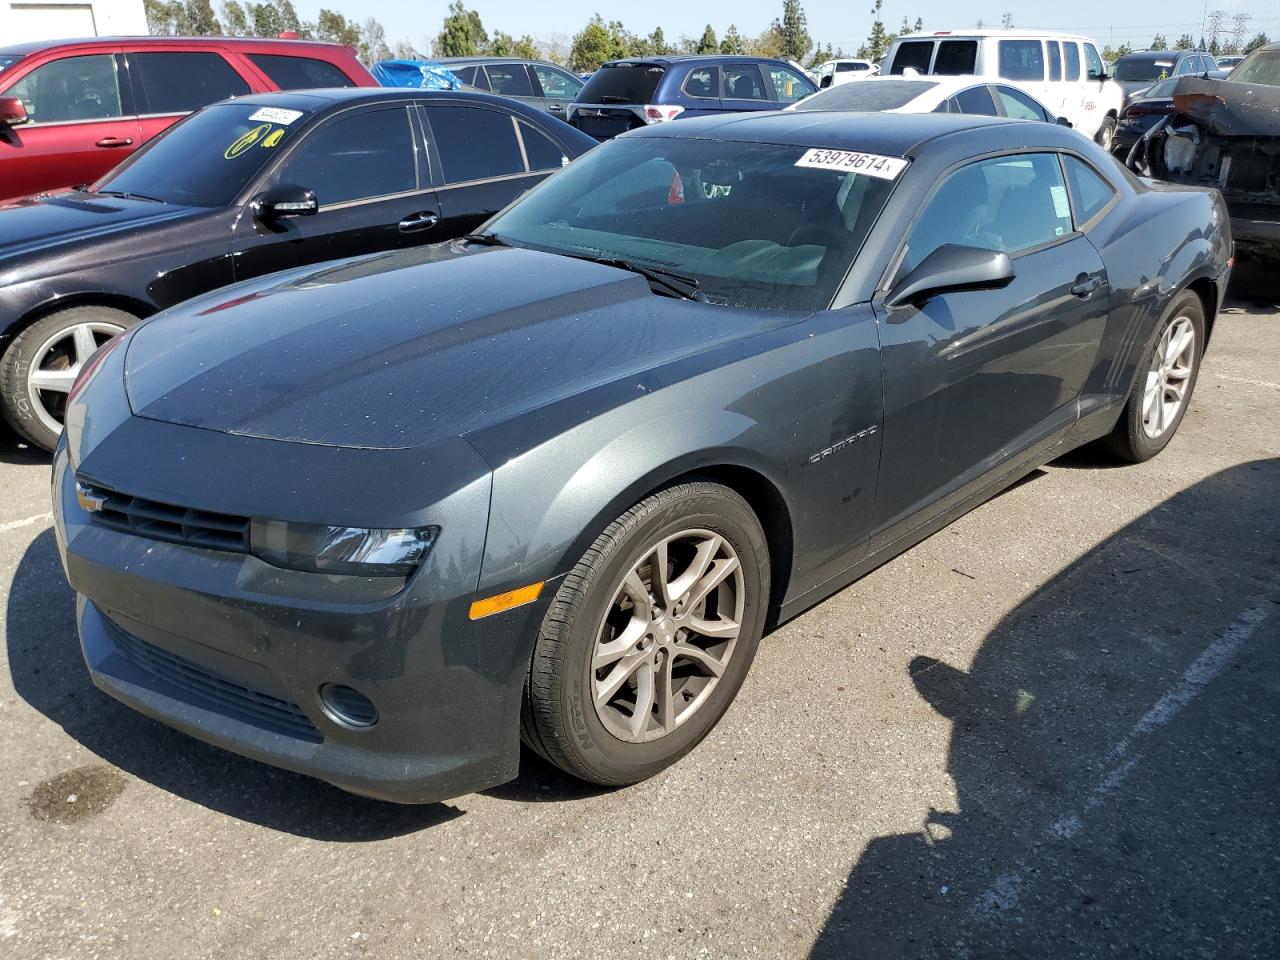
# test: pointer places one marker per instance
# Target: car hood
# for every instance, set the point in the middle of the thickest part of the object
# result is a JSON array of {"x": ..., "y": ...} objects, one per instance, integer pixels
[
  {"x": 39, "y": 223},
  {"x": 406, "y": 349}
]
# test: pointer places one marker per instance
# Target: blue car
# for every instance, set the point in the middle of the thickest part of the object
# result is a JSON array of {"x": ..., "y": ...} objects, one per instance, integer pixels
[{"x": 625, "y": 94}]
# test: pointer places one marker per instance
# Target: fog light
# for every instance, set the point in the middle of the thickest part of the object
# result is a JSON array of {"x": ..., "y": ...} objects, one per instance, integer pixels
[{"x": 347, "y": 706}]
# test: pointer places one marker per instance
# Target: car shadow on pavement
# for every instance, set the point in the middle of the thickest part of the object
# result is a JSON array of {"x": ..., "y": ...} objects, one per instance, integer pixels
[
  {"x": 1114, "y": 756},
  {"x": 49, "y": 673},
  {"x": 17, "y": 451}
]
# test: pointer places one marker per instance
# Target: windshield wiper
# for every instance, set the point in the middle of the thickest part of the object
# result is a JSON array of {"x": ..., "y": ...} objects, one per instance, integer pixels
[
  {"x": 485, "y": 239},
  {"x": 126, "y": 195},
  {"x": 662, "y": 281}
]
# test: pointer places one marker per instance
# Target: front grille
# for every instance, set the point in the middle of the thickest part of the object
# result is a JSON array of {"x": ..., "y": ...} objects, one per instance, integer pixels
[
  {"x": 244, "y": 703},
  {"x": 163, "y": 521}
]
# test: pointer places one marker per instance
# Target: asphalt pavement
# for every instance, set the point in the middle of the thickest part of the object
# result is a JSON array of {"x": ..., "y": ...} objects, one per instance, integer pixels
[{"x": 1051, "y": 730}]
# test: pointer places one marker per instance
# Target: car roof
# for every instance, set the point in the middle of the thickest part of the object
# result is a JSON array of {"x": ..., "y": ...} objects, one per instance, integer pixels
[
  {"x": 311, "y": 101},
  {"x": 458, "y": 60},
  {"x": 889, "y": 134},
  {"x": 1162, "y": 54},
  {"x": 693, "y": 58},
  {"x": 36, "y": 46},
  {"x": 1010, "y": 34}
]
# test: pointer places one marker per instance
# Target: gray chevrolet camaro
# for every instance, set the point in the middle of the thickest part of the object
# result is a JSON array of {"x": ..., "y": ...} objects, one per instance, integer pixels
[{"x": 378, "y": 521}]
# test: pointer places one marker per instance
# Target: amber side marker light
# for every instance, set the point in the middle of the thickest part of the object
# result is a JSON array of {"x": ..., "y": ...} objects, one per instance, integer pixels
[{"x": 505, "y": 601}]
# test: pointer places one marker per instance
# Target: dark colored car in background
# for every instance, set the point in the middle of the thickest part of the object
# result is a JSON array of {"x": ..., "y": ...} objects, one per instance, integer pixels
[
  {"x": 242, "y": 188},
  {"x": 1134, "y": 72},
  {"x": 389, "y": 516},
  {"x": 1144, "y": 110},
  {"x": 535, "y": 82},
  {"x": 626, "y": 94},
  {"x": 70, "y": 110}
]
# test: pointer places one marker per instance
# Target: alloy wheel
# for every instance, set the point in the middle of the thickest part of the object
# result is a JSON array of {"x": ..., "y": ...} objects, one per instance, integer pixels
[
  {"x": 1167, "y": 379},
  {"x": 56, "y": 364},
  {"x": 667, "y": 635}
]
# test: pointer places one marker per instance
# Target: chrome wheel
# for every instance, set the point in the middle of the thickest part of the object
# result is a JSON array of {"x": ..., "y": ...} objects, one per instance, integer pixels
[
  {"x": 667, "y": 635},
  {"x": 56, "y": 364},
  {"x": 1167, "y": 379}
]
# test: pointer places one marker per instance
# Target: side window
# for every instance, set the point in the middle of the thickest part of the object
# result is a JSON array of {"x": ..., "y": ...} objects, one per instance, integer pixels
[
  {"x": 356, "y": 157},
  {"x": 1093, "y": 62},
  {"x": 912, "y": 53},
  {"x": 1089, "y": 191},
  {"x": 556, "y": 83},
  {"x": 1055, "y": 59},
  {"x": 976, "y": 100},
  {"x": 703, "y": 82},
  {"x": 1021, "y": 60},
  {"x": 1072, "y": 50},
  {"x": 74, "y": 88},
  {"x": 472, "y": 76},
  {"x": 509, "y": 80},
  {"x": 956, "y": 58},
  {"x": 300, "y": 73},
  {"x": 183, "y": 82},
  {"x": 1184, "y": 66},
  {"x": 543, "y": 152},
  {"x": 475, "y": 143},
  {"x": 1006, "y": 203},
  {"x": 788, "y": 86},
  {"x": 1018, "y": 105},
  {"x": 743, "y": 82}
]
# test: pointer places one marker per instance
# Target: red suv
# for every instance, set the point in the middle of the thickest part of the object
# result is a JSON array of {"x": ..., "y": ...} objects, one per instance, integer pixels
[{"x": 70, "y": 110}]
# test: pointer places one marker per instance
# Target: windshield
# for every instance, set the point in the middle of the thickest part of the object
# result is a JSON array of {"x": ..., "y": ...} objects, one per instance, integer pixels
[
  {"x": 1160, "y": 91},
  {"x": 207, "y": 159},
  {"x": 746, "y": 220},
  {"x": 869, "y": 95},
  {"x": 1143, "y": 69},
  {"x": 622, "y": 83},
  {"x": 1261, "y": 66}
]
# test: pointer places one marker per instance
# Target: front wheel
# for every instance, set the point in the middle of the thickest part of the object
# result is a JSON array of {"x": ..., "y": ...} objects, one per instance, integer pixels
[
  {"x": 650, "y": 636},
  {"x": 1106, "y": 134},
  {"x": 43, "y": 361},
  {"x": 1163, "y": 388}
]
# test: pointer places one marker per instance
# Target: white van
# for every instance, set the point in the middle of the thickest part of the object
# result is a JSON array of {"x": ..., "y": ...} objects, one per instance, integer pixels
[{"x": 1063, "y": 71}]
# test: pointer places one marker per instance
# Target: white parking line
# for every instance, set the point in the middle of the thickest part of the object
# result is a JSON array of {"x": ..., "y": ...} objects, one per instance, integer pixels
[
  {"x": 1123, "y": 758},
  {"x": 17, "y": 524}
]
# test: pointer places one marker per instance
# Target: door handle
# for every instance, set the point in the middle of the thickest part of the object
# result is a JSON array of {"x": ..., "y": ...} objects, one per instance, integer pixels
[
  {"x": 1085, "y": 285},
  {"x": 115, "y": 142},
  {"x": 419, "y": 221}
]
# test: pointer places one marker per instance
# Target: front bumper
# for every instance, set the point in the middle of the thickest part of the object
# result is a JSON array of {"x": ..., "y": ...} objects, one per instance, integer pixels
[{"x": 234, "y": 652}]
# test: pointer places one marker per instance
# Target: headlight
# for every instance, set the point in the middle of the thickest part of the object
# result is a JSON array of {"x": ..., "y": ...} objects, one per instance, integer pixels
[{"x": 353, "y": 551}]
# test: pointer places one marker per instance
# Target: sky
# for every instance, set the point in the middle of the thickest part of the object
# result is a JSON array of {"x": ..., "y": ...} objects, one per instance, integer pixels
[{"x": 830, "y": 21}]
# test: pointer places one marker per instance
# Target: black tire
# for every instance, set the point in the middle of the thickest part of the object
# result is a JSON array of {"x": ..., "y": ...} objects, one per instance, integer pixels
[
  {"x": 559, "y": 719},
  {"x": 1129, "y": 440},
  {"x": 18, "y": 361},
  {"x": 1106, "y": 133}
]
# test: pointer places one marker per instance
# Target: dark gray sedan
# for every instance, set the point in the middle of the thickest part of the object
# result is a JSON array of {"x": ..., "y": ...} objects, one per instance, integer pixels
[{"x": 380, "y": 521}]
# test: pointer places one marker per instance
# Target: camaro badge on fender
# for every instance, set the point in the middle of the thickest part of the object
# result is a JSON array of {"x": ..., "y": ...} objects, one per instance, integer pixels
[{"x": 847, "y": 441}]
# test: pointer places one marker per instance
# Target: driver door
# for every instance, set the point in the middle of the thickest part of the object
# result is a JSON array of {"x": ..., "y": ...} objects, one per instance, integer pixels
[
  {"x": 977, "y": 382},
  {"x": 368, "y": 168}
]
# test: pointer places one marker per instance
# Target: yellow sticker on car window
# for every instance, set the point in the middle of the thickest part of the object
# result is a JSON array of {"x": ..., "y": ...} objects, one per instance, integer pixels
[
  {"x": 247, "y": 140},
  {"x": 274, "y": 138}
]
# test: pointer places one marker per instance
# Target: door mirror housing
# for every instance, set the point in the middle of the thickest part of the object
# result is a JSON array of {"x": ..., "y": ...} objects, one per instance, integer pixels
[
  {"x": 1063, "y": 122},
  {"x": 12, "y": 112},
  {"x": 952, "y": 268},
  {"x": 286, "y": 200}
]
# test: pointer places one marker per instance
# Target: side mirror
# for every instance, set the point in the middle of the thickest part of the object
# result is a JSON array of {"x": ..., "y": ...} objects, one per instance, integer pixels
[
  {"x": 285, "y": 200},
  {"x": 1063, "y": 122},
  {"x": 12, "y": 112},
  {"x": 953, "y": 267}
]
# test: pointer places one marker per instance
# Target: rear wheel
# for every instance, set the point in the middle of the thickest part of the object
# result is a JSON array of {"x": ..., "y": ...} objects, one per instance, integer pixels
[
  {"x": 1164, "y": 385},
  {"x": 650, "y": 636},
  {"x": 43, "y": 361},
  {"x": 1106, "y": 134}
]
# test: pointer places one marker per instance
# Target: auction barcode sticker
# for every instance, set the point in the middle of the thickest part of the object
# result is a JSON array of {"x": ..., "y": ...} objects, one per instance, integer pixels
[
  {"x": 275, "y": 115},
  {"x": 846, "y": 161}
]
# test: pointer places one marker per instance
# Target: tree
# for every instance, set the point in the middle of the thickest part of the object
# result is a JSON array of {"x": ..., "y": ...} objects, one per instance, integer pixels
[
  {"x": 593, "y": 45},
  {"x": 1158, "y": 42},
  {"x": 288, "y": 17},
  {"x": 200, "y": 20},
  {"x": 234, "y": 19},
  {"x": 264, "y": 19},
  {"x": 333, "y": 27},
  {"x": 919, "y": 26},
  {"x": 732, "y": 42},
  {"x": 658, "y": 46},
  {"x": 768, "y": 44},
  {"x": 708, "y": 43},
  {"x": 373, "y": 44},
  {"x": 505, "y": 45},
  {"x": 1185, "y": 42},
  {"x": 162, "y": 17},
  {"x": 794, "y": 29},
  {"x": 878, "y": 40},
  {"x": 1261, "y": 40},
  {"x": 462, "y": 34}
]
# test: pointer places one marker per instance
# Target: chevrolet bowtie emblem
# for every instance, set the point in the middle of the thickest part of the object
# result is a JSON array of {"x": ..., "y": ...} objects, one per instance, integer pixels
[{"x": 88, "y": 500}]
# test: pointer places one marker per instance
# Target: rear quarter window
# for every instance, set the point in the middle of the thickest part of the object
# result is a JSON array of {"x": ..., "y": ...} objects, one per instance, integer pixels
[
  {"x": 623, "y": 83},
  {"x": 956, "y": 58},
  {"x": 912, "y": 53},
  {"x": 300, "y": 73}
]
